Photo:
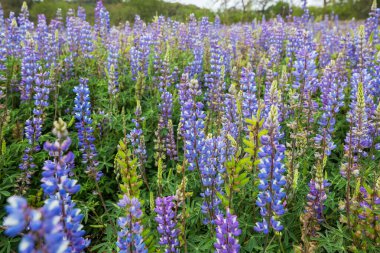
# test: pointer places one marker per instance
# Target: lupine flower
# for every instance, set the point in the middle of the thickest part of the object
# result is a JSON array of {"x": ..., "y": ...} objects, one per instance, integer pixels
[
  {"x": 129, "y": 238},
  {"x": 86, "y": 39},
  {"x": 23, "y": 20},
  {"x": 211, "y": 166},
  {"x": 165, "y": 78},
  {"x": 227, "y": 229},
  {"x": 72, "y": 32},
  {"x": 144, "y": 47},
  {"x": 139, "y": 55},
  {"x": 215, "y": 80},
  {"x": 273, "y": 97},
  {"x": 315, "y": 205},
  {"x": 165, "y": 107},
  {"x": 81, "y": 13},
  {"x": 171, "y": 147},
  {"x": 135, "y": 64},
  {"x": 2, "y": 23},
  {"x": 57, "y": 185},
  {"x": 305, "y": 74},
  {"x": 136, "y": 137},
  {"x": 166, "y": 223},
  {"x": 86, "y": 137},
  {"x": 197, "y": 64},
  {"x": 3, "y": 56},
  {"x": 357, "y": 138},
  {"x": 33, "y": 126},
  {"x": 193, "y": 31},
  {"x": 367, "y": 225},
  {"x": 113, "y": 67},
  {"x": 42, "y": 37},
  {"x": 102, "y": 20},
  {"x": 372, "y": 23},
  {"x": 272, "y": 180},
  {"x": 230, "y": 122},
  {"x": 13, "y": 36},
  {"x": 193, "y": 125},
  {"x": 29, "y": 68},
  {"x": 249, "y": 97},
  {"x": 41, "y": 228},
  {"x": 184, "y": 94},
  {"x": 332, "y": 96}
]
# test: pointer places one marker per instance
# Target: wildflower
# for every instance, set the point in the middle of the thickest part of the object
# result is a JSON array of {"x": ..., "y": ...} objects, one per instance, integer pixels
[
  {"x": 41, "y": 228},
  {"x": 82, "y": 110},
  {"x": 272, "y": 180},
  {"x": 227, "y": 229},
  {"x": 165, "y": 219},
  {"x": 129, "y": 239}
]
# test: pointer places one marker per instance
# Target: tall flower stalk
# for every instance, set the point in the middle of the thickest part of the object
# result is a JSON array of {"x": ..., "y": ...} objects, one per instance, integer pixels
[
  {"x": 167, "y": 224},
  {"x": 57, "y": 185},
  {"x": 271, "y": 175},
  {"x": 33, "y": 128},
  {"x": 355, "y": 142}
]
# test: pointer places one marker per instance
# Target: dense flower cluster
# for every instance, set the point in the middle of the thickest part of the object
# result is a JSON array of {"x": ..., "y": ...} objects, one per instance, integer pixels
[
  {"x": 193, "y": 124},
  {"x": 227, "y": 229},
  {"x": 357, "y": 138},
  {"x": 272, "y": 180},
  {"x": 212, "y": 169},
  {"x": 130, "y": 238},
  {"x": 244, "y": 121},
  {"x": 82, "y": 110},
  {"x": 41, "y": 228},
  {"x": 33, "y": 126},
  {"x": 248, "y": 88},
  {"x": 166, "y": 223},
  {"x": 58, "y": 185}
]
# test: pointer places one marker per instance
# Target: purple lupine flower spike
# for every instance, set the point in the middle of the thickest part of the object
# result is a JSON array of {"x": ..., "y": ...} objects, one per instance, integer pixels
[
  {"x": 271, "y": 175},
  {"x": 193, "y": 124},
  {"x": 211, "y": 166},
  {"x": 129, "y": 239},
  {"x": 57, "y": 185},
  {"x": 113, "y": 68},
  {"x": 86, "y": 137},
  {"x": 248, "y": 88},
  {"x": 29, "y": 68},
  {"x": 41, "y": 228},
  {"x": 227, "y": 230},
  {"x": 166, "y": 224},
  {"x": 136, "y": 136},
  {"x": 33, "y": 126}
]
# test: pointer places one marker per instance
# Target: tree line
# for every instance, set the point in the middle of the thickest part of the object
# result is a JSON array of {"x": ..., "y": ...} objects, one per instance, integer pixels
[{"x": 229, "y": 11}]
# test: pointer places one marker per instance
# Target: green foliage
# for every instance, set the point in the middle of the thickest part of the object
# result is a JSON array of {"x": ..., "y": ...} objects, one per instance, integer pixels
[
  {"x": 236, "y": 176},
  {"x": 256, "y": 130},
  {"x": 127, "y": 169}
]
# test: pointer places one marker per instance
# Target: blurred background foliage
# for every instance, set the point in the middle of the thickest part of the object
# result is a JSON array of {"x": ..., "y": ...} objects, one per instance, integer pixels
[{"x": 126, "y": 10}]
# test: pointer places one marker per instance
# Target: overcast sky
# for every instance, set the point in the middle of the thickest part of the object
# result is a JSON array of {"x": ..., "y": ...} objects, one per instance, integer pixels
[{"x": 209, "y": 3}]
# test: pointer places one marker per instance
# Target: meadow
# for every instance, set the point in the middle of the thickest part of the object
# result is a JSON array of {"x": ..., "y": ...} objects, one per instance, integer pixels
[{"x": 196, "y": 136}]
